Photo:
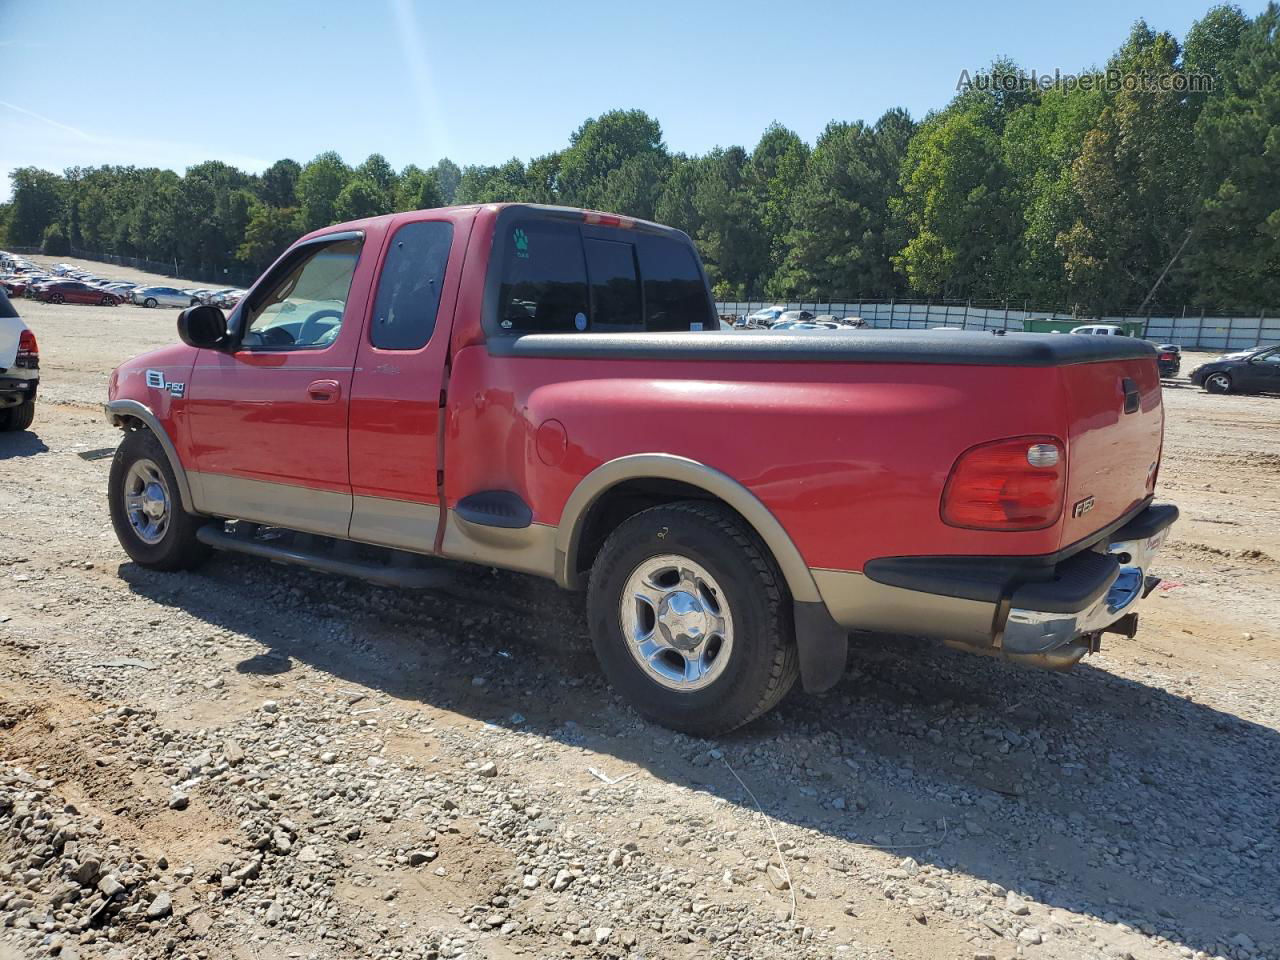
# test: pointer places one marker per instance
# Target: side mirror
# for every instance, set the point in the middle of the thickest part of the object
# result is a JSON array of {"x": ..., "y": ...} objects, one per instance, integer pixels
[{"x": 204, "y": 326}]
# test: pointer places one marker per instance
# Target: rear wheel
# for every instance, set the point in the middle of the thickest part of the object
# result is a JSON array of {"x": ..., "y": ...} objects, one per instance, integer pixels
[
  {"x": 13, "y": 419},
  {"x": 1218, "y": 383},
  {"x": 146, "y": 511},
  {"x": 690, "y": 619}
]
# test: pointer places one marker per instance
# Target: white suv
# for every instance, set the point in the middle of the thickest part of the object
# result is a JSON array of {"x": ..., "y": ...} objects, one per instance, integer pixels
[{"x": 19, "y": 369}]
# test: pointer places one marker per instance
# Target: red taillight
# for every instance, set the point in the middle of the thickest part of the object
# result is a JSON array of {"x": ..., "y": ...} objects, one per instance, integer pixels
[
  {"x": 27, "y": 345},
  {"x": 1014, "y": 484},
  {"x": 1166, "y": 356}
]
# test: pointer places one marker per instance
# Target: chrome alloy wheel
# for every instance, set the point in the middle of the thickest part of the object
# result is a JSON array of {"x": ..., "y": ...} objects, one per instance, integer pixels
[
  {"x": 1220, "y": 382},
  {"x": 676, "y": 622},
  {"x": 146, "y": 501}
]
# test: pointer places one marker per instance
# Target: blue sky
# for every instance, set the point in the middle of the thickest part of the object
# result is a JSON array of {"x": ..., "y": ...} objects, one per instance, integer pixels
[{"x": 250, "y": 81}]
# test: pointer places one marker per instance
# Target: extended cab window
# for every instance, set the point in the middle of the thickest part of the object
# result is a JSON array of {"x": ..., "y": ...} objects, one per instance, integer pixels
[
  {"x": 302, "y": 304},
  {"x": 556, "y": 278},
  {"x": 544, "y": 278},
  {"x": 404, "y": 315},
  {"x": 675, "y": 295}
]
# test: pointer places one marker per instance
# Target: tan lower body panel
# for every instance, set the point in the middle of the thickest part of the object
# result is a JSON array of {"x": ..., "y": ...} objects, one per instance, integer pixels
[
  {"x": 530, "y": 549},
  {"x": 857, "y": 602},
  {"x": 280, "y": 504},
  {"x": 403, "y": 524}
]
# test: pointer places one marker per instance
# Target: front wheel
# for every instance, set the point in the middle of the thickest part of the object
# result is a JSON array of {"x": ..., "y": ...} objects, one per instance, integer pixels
[
  {"x": 146, "y": 511},
  {"x": 1218, "y": 383},
  {"x": 690, "y": 619},
  {"x": 149, "y": 302}
]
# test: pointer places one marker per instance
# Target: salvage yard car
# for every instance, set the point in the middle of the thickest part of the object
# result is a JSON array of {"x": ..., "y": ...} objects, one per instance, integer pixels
[
  {"x": 1257, "y": 371},
  {"x": 546, "y": 390},
  {"x": 19, "y": 369}
]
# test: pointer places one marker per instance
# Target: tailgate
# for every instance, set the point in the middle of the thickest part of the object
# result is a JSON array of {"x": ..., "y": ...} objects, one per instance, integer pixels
[
  {"x": 10, "y": 329},
  {"x": 1112, "y": 454}
]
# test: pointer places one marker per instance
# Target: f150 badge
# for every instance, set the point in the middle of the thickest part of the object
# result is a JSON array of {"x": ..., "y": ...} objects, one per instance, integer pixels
[
  {"x": 156, "y": 380},
  {"x": 1081, "y": 507}
]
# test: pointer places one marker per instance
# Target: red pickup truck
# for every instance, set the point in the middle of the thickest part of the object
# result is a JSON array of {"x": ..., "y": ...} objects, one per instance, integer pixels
[{"x": 547, "y": 390}]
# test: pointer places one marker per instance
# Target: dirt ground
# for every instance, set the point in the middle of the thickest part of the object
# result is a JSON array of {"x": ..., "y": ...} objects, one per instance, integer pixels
[{"x": 297, "y": 762}]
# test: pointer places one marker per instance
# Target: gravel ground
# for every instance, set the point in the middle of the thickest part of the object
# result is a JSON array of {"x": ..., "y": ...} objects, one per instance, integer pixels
[{"x": 256, "y": 761}]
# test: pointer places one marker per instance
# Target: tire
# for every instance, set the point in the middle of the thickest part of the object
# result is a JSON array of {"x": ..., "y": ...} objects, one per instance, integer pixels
[
  {"x": 174, "y": 547},
  {"x": 746, "y": 668},
  {"x": 13, "y": 419},
  {"x": 1218, "y": 383},
  {"x": 56, "y": 298},
  {"x": 108, "y": 302},
  {"x": 149, "y": 302}
]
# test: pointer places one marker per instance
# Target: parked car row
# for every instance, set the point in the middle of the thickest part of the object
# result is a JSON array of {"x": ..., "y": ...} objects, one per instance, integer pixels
[
  {"x": 780, "y": 318},
  {"x": 65, "y": 283}
]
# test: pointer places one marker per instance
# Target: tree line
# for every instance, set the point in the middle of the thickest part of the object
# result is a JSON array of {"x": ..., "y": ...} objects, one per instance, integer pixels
[{"x": 1086, "y": 194}]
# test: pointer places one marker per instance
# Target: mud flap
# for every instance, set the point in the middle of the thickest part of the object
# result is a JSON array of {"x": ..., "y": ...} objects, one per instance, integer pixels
[{"x": 823, "y": 646}]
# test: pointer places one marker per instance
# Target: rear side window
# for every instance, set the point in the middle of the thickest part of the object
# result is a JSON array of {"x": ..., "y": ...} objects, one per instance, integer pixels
[
  {"x": 544, "y": 278},
  {"x": 675, "y": 295},
  {"x": 557, "y": 277},
  {"x": 404, "y": 314}
]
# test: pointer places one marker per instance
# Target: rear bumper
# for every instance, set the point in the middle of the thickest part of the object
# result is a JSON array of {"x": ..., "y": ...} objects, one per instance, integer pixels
[
  {"x": 1090, "y": 593},
  {"x": 17, "y": 390},
  {"x": 1047, "y": 611}
]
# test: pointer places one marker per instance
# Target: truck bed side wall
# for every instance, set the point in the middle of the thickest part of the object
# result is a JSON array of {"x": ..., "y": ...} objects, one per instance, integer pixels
[{"x": 850, "y": 458}]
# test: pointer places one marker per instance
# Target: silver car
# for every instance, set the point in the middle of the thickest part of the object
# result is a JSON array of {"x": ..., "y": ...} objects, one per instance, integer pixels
[{"x": 162, "y": 297}]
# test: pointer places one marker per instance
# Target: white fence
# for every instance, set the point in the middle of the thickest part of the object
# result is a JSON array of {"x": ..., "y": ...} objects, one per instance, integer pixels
[{"x": 1192, "y": 331}]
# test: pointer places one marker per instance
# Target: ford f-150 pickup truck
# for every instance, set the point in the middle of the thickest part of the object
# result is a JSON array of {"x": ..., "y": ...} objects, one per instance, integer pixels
[{"x": 547, "y": 390}]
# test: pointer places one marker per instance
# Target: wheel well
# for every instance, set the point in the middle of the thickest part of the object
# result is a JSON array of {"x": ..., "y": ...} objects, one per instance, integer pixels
[{"x": 626, "y": 499}]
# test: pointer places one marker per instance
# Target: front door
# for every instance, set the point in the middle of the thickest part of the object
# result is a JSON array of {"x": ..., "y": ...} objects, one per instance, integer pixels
[
  {"x": 1262, "y": 372},
  {"x": 268, "y": 422}
]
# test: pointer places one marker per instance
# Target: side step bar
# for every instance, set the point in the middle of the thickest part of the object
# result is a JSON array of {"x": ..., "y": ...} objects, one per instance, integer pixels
[{"x": 310, "y": 551}]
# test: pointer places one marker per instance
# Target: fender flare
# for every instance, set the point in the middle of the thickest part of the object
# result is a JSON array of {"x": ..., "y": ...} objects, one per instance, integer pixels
[
  {"x": 664, "y": 466},
  {"x": 118, "y": 411}
]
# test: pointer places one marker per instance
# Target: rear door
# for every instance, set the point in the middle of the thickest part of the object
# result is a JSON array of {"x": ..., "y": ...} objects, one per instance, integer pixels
[
  {"x": 268, "y": 423},
  {"x": 399, "y": 383}
]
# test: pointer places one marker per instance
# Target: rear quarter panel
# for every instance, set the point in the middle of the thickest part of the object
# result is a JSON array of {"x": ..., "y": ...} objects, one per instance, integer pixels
[{"x": 851, "y": 458}]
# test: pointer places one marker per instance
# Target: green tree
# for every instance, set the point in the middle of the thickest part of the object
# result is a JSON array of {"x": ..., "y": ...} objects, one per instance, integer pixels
[
  {"x": 279, "y": 181},
  {"x": 448, "y": 176},
  {"x": 54, "y": 241},
  {"x": 959, "y": 229},
  {"x": 618, "y": 156},
  {"x": 1132, "y": 181},
  {"x": 841, "y": 240},
  {"x": 417, "y": 189},
  {"x": 774, "y": 175},
  {"x": 37, "y": 202},
  {"x": 318, "y": 187},
  {"x": 268, "y": 234},
  {"x": 360, "y": 198},
  {"x": 1233, "y": 258}
]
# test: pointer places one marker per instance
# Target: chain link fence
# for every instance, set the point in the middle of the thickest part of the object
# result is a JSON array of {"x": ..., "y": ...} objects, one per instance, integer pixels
[{"x": 1191, "y": 329}]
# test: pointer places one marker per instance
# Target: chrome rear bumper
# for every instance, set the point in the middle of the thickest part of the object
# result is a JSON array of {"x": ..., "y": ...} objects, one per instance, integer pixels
[{"x": 1051, "y": 634}]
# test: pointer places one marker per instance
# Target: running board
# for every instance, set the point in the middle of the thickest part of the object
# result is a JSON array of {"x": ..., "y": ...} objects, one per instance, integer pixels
[{"x": 326, "y": 554}]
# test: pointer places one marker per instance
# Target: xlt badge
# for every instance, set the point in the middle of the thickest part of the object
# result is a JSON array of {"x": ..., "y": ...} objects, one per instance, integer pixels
[{"x": 1081, "y": 507}]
